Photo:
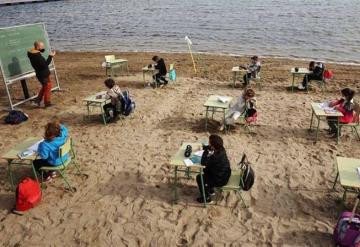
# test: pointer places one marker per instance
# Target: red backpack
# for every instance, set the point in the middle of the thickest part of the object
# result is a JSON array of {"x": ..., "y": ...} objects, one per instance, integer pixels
[{"x": 28, "y": 194}]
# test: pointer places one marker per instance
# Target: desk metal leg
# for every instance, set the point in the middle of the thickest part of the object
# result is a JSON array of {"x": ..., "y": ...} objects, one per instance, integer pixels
[
  {"x": 293, "y": 83},
  {"x": 311, "y": 121},
  {"x": 202, "y": 186},
  {"x": 103, "y": 114},
  {"x": 34, "y": 171},
  {"x": 338, "y": 131},
  {"x": 144, "y": 77},
  {"x": 11, "y": 179},
  {"x": 206, "y": 117},
  {"x": 188, "y": 173},
  {"x": 344, "y": 195},
  {"x": 88, "y": 110},
  {"x": 224, "y": 121},
  {"x": 212, "y": 114},
  {"x": 176, "y": 196},
  {"x": 317, "y": 129},
  {"x": 336, "y": 178},
  {"x": 234, "y": 79}
]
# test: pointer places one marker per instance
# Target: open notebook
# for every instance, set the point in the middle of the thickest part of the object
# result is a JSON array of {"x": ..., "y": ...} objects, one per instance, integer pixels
[{"x": 30, "y": 151}]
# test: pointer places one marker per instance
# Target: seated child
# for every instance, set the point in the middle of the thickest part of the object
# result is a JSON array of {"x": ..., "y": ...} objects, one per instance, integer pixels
[
  {"x": 346, "y": 106},
  {"x": 245, "y": 105},
  {"x": 55, "y": 136},
  {"x": 160, "y": 65},
  {"x": 253, "y": 69},
  {"x": 217, "y": 168},
  {"x": 316, "y": 73},
  {"x": 113, "y": 108}
]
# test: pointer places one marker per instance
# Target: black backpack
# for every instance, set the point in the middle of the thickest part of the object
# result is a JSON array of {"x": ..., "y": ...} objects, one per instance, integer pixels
[
  {"x": 248, "y": 175},
  {"x": 16, "y": 117}
]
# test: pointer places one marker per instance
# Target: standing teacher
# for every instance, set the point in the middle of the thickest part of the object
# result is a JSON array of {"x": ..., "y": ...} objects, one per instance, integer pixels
[{"x": 41, "y": 67}]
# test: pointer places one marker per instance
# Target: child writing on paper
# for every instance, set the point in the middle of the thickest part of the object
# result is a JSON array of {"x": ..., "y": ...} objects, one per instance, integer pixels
[
  {"x": 55, "y": 136},
  {"x": 245, "y": 105},
  {"x": 345, "y": 105},
  {"x": 113, "y": 108},
  {"x": 161, "y": 67},
  {"x": 253, "y": 69},
  {"x": 217, "y": 168}
]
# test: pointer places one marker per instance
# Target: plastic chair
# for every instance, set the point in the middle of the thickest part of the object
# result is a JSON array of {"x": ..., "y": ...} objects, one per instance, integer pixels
[
  {"x": 257, "y": 79},
  {"x": 171, "y": 70},
  {"x": 112, "y": 63},
  {"x": 353, "y": 125},
  {"x": 67, "y": 148},
  {"x": 232, "y": 185}
]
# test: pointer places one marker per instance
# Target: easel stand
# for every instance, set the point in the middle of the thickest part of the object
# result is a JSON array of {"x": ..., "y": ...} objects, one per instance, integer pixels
[{"x": 23, "y": 79}]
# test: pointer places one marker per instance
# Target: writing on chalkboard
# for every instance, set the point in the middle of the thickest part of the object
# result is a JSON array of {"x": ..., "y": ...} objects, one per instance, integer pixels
[{"x": 14, "y": 44}]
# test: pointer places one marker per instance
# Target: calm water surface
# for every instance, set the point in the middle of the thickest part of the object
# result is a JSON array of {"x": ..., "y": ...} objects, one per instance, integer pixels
[{"x": 319, "y": 29}]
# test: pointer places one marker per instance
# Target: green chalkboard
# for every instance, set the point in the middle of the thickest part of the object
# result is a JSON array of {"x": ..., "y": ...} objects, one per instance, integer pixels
[{"x": 14, "y": 44}]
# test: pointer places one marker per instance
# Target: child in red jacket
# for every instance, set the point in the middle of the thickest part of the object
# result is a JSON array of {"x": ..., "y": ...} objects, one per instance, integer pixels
[{"x": 345, "y": 105}]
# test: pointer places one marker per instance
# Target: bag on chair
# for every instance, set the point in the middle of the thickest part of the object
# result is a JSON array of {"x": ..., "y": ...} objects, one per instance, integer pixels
[
  {"x": 248, "y": 175},
  {"x": 347, "y": 229},
  {"x": 28, "y": 194},
  {"x": 127, "y": 104}
]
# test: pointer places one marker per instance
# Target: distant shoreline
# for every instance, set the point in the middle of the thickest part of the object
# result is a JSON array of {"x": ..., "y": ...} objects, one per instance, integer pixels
[{"x": 216, "y": 54}]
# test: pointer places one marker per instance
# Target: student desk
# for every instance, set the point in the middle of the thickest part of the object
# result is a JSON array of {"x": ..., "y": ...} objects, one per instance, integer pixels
[
  {"x": 348, "y": 175},
  {"x": 152, "y": 71},
  {"x": 12, "y": 158},
  {"x": 177, "y": 161},
  {"x": 92, "y": 101},
  {"x": 236, "y": 71},
  {"x": 301, "y": 72},
  {"x": 319, "y": 113},
  {"x": 214, "y": 105}
]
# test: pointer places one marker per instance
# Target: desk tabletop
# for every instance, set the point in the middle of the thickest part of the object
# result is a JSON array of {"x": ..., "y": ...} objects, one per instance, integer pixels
[
  {"x": 238, "y": 69},
  {"x": 146, "y": 68},
  {"x": 92, "y": 98},
  {"x": 178, "y": 158},
  {"x": 348, "y": 174},
  {"x": 301, "y": 71},
  {"x": 213, "y": 101},
  {"x": 23, "y": 146},
  {"x": 321, "y": 112}
]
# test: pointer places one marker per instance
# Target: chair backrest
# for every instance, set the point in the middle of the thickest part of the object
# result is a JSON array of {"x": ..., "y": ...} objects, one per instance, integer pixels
[
  {"x": 109, "y": 58},
  {"x": 65, "y": 148},
  {"x": 356, "y": 118},
  {"x": 171, "y": 67}
]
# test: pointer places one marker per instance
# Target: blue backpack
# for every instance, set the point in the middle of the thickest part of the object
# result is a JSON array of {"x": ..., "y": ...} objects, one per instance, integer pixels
[
  {"x": 127, "y": 104},
  {"x": 16, "y": 117}
]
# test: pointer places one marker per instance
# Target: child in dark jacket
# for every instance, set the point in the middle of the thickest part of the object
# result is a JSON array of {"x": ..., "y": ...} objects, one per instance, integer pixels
[
  {"x": 217, "y": 168},
  {"x": 346, "y": 106},
  {"x": 161, "y": 67}
]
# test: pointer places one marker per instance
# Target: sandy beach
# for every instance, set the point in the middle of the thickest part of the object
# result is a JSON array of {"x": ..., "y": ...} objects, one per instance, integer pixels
[{"x": 127, "y": 198}]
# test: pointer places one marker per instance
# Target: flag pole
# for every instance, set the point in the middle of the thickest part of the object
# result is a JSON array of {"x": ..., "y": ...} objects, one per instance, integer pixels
[{"x": 189, "y": 43}]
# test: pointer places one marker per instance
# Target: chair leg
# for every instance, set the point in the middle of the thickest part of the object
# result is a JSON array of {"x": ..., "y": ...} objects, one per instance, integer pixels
[
  {"x": 63, "y": 175},
  {"x": 218, "y": 194},
  {"x": 242, "y": 199},
  {"x": 42, "y": 180},
  {"x": 357, "y": 133}
]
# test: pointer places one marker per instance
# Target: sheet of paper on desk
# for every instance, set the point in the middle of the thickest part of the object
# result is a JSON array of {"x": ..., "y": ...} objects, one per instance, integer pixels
[
  {"x": 358, "y": 171},
  {"x": 35, "y": 146},
  {"x": 25, "y": 154},
  {"x": 324, "y": 105},
  {"x": 188, "y": 162},
  {"x": 223, "y": 99},
  {"x": 199, "y": 153}
]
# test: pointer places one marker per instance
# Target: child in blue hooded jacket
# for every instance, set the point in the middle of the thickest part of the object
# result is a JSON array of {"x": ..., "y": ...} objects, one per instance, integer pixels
[{"x": 48, "y": 150}]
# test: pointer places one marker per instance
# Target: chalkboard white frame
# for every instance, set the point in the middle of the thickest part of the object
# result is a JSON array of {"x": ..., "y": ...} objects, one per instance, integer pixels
[{"x": 28, "y": 75}]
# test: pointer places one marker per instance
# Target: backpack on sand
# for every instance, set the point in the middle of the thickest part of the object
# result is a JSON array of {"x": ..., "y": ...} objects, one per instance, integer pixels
[
  {"x": 347, "y": 229},
  {"x": 248, "y": 176},
  {"x": 16, "y": 117},
  {"x": 28, "y": 194}
]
